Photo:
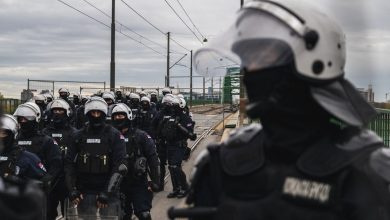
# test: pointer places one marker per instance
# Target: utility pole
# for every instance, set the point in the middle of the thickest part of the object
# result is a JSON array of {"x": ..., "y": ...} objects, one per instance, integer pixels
[
  {"x": 204, "y": 92},
  {"x": 191, "y": 80},
  {"x": 168, "y": 67},
  {"x": 112, "y": 64},
  {"x": 212, "y": 89},
  {"x": 242, "y": 3}
]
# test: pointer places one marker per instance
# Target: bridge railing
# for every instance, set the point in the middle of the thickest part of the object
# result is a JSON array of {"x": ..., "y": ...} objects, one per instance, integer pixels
[
  {"x": 381, "y": 125},
  {"x": 9, "y": 105}
]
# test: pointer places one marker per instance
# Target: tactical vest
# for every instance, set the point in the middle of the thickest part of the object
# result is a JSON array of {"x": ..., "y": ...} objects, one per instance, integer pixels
[
  {"x": 250, "y": 186},
  {"x": 94, "y": 152},
  {"x": 35, "y": 145},
  {"x": 137, "y": 162},
  {"x": 169, "y": 129},
  {"x": 63, "y": 139},
  {"x": 8, "y": 163}
]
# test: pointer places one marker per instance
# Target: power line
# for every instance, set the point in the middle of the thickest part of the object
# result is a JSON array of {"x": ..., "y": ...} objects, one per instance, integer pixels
[
  {"x": 102, "y": 23},
  {"x": 154, "y": 26},
  {"x": 183, "y": 21},
  {"x": 131, "y": 30},
  {"x": 190, "y": 19}
]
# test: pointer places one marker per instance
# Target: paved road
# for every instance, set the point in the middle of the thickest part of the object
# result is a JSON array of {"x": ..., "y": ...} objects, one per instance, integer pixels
[{"x": 160, "y": 202}]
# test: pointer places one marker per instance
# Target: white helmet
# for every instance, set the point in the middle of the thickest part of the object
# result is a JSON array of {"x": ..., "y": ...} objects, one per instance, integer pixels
[
  {"x": 142, "y": 94},
  {"x": 29, "y": 110},
  {"x": 175, "y": 100},
  {"x": 134, "y": 96},
  {"x": 168, "y": 99},
  {"x": 48, "y": 96},
  {"x": 180, "y": 96},
  {"x": 96, "y": 103},
  {"x": 64, "y": 90},
  {"x": 146, "y": 99},
  {"x": 127, "y": 94},
  {"x": 109, "y": 95},
  {"x": 40, "y": 97},
  {"x": 62, "y": 104},
  {"x": 8, "y": 122},
  {"x": 182, "y": 102},
  {"x": 122, "y": 108},
  {"x": 266, "y": 33},
  {"x": 166, "y": 90}
]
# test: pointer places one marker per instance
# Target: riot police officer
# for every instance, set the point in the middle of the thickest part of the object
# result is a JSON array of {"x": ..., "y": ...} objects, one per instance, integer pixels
[
  {"x": 28, "y": 116},
  {"x": 174, "y": 129},
  {"x": 62, "y": 132},
  {"x": 80, "y": 117},
  {"x": 134, "y": 104},
  {"x": 146, "y": 116},
  {"x": 15, "y": 160},
  {"x": 20, "y": 200},
  {"x": 119, "y": 97},
  {"x": 64, "y": 94},
  {"x": 110, "y": 100},
  {"x": 299, "y": 164},
  {"x": 142, "y": 159},
  {"x": 94, "y": 164}
]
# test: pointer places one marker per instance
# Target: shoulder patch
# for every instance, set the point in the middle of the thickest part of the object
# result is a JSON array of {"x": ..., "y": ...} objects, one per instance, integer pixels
[
  {"x": 380, "y": 162},
  {"x": 121, "y": 137},
  {"x": 243, "y": 135}
]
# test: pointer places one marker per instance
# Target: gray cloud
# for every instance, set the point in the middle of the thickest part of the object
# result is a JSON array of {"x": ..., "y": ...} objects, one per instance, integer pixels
[{"x": 44, "y": 39}]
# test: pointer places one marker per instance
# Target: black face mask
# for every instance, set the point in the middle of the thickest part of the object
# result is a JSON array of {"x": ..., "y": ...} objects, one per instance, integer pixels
[
  {"x": 121, "y": 123},
  {"x": 96, "y": 123},
  {"x": 76, "y": 101},
  {"x": 153, "y": 99},
  {"x": 29, "y": 128},
  {"x": 8, "y": 141},
  {"x": 59, "y": 120},
  {"x": 287, "y": 111},
  {"x": 145, "y": 106},
  {"x": 65, "y": 97}
]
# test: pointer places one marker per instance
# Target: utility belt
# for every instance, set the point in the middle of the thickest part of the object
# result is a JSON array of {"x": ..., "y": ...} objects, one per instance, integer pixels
[{"x": 95, "y": 164}]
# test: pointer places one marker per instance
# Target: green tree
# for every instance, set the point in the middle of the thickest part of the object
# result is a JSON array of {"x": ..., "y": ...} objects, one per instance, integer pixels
[{"x": 1, "y": 96}]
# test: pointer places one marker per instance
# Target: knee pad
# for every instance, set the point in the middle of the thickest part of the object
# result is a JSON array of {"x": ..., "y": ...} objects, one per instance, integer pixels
[{"x": 144, "y": 215}]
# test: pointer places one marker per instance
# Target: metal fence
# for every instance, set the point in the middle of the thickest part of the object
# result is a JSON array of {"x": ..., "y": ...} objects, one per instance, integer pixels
[
  {"x": 9, "y": 105},
  {"x": 381, "y": 125}
]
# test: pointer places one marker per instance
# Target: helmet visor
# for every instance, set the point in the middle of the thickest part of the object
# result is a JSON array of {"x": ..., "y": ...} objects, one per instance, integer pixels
[{"x": 256, "y": 40}]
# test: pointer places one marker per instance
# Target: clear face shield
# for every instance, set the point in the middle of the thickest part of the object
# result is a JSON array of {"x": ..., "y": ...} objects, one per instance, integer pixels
[{"x": 255, "y": 41}]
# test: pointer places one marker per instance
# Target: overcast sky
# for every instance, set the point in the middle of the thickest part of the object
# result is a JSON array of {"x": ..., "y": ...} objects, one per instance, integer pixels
[{"x": 45, "y": 39}]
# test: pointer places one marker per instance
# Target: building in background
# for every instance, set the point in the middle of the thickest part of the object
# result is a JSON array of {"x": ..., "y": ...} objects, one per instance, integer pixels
[{"x": 367, "y": 94}]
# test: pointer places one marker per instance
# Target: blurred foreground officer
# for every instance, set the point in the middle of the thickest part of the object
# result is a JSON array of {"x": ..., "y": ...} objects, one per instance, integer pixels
[
  {"x": 62, "y": 132},
  {"x": 142, "y": 159},
  {"x": 28, "y": 116},
  {"x": 94, "y": 164},
  {"x": 15, "y": 160},
  {"x": 298, "y": 165},
  {"x": 20, "y": 200}
]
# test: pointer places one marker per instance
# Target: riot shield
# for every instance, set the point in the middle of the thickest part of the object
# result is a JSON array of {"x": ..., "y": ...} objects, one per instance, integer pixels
[{"x": 87, "y": 209}]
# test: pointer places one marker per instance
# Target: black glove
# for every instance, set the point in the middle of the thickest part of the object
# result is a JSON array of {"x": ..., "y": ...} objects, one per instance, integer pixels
[
  {"x": 155, "y": 187},
  {"x": 102, "y": 198},
  {"x": 192, "y": 136},
  {"x": 74, "y": 194},
  {"x": 187, "y": 153}
]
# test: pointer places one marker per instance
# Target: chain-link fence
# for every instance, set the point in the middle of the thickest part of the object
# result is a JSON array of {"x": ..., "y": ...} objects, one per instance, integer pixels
[{"x": 52, "y": 86}]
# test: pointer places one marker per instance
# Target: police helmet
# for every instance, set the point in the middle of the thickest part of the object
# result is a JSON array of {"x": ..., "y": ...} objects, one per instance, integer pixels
[
  {"x": 145, "y": 99},
  {"x": 168, "y": 99},
  {"x": 166, "y": 90},
  {"x": 61, "y": 104},
  {"x": 142, "y": 94},
  {"x": 180, "y": 96},
  {"x": 65, "y": 90},
  {"x": 268, "y": 34},
  {"x": 109, "y": 95},
  {"x": 122, "y": 108},
  {"x": 8, "y": 122},
  {"x": 134, "y": 96},
  {"x": 175, "y": 101},
  {"x": 96, "y": 103},
  {"x": 40, "y": 98},
  {"x": 49, "y": 97},
  {"x": 28, "y": 110},
  {"x": 127, "y": 94},
  {"x": 182, "y": 102}
]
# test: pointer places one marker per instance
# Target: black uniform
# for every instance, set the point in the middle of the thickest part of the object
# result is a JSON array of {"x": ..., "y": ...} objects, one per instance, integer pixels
[
  {"x": 93, "y": 158},
  {"x": 175, "y": 140},
  {"x": 19, "y": 162},
  {"x": 332, "y": 179},
  {"x": 62, "y": 134},
  {"x": 142, "y": 159},
  {"x": 46, "y": 149},
  {"x": 145, "y": 118}
]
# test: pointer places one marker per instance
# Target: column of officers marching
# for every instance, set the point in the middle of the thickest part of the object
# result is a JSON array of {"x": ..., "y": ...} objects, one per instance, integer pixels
[{"x": 101, "y": 154}]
